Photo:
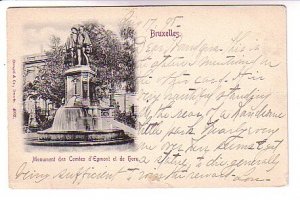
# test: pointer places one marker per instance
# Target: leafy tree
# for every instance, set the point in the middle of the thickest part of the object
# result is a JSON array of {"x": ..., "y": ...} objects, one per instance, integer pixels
[
  {"x": 49, "y": 83},
  {"x": 113, "y": 57},
  {"x": 128, "y": 35}
]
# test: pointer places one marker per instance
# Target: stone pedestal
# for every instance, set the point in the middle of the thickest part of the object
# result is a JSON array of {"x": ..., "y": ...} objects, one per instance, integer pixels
[{"x": 78, "y": 83}]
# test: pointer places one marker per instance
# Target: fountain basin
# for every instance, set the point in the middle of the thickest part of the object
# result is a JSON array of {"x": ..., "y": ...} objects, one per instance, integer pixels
[
  {"x": 78, "y": 125},
  {"x": 79, "y": 138}
]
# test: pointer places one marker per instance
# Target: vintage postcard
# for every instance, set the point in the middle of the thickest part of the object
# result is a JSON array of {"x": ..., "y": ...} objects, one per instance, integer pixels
[{"x": 147, "y": 96}]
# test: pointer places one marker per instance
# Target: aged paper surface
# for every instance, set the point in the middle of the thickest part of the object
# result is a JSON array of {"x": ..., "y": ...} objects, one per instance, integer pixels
[{"x": 164, "y": 96}]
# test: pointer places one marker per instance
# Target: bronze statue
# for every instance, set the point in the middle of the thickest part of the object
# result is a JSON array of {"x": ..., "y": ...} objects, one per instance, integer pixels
[{"x": 78, "y": 47}]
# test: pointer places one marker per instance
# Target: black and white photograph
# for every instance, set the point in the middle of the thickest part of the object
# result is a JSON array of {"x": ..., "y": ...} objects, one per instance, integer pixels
[{"x": 79, "y": 84}]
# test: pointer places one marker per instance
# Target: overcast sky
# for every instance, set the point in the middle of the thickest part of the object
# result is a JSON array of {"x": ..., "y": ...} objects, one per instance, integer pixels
[{"x": 36, "y": 36}]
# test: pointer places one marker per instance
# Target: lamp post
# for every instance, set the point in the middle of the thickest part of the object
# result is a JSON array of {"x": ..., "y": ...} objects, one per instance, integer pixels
[
  {"x": 111, "y": 98},
  {"x": 33, "y": 124}
]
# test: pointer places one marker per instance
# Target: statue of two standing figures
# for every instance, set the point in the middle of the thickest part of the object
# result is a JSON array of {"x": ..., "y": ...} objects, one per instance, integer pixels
[{"x": 78, "y": 47}]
